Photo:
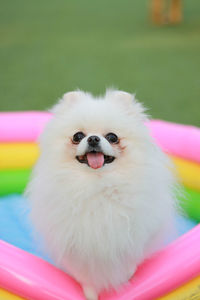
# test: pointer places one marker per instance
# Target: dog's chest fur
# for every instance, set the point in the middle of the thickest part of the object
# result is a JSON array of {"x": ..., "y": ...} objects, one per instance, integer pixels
[
  {"x": 100, "y": 237},
  {"x": 100, "y": 218}
]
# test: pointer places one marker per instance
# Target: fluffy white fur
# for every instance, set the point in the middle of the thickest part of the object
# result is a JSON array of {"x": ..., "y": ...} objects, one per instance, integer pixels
[{"x": 99, "y": 224}]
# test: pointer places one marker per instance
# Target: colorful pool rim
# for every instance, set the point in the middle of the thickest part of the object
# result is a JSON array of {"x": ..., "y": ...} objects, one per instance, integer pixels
[
  {"x": 30, "y": 277},
  {"x": 172, "y": 273}
]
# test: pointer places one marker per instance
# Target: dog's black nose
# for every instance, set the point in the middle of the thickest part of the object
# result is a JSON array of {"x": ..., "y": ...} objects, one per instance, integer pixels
[{"x": 93, "y": 140}]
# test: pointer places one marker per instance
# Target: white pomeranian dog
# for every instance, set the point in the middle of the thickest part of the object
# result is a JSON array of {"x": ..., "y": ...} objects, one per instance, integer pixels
[{"x": 102, "y": 191}]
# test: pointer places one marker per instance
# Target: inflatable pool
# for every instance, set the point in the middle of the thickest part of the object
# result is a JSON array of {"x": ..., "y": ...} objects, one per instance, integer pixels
[{"x": 27, "y": 273}]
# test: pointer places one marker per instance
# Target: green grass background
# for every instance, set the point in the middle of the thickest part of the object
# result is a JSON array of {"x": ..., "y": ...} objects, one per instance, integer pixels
[{"x": 49, "y": 47}]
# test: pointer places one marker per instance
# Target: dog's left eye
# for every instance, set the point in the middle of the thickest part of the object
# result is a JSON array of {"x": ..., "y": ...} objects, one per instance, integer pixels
[
  {"x": 112, "y": 138},
  {"x": 77, "y": 137}
]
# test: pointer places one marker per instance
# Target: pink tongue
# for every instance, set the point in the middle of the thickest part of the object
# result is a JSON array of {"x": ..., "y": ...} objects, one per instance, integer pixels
[{"x": 95, "y": 160}]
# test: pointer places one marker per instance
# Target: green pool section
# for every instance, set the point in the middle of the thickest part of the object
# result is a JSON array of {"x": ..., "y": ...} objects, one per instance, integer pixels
[
  {"x": 190, "y": 202},
  {"x": 13, "y": 181}
]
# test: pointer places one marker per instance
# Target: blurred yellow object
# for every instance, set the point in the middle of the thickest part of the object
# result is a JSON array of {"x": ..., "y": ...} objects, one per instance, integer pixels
[
  {"x": 18, "y": 155},
  {"x": 5, "y": 295},
  {"x": 166, "y": 11},
  {"x": 190, "y": 290},
  {"x": 188, "y": 171}
]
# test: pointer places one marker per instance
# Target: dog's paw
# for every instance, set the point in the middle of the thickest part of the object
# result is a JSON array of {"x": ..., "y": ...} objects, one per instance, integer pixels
[{"x": 90, "y": 293}]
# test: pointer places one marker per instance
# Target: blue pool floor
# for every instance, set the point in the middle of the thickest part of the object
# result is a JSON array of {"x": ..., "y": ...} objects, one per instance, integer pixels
[{"x": 16, "y": 228}]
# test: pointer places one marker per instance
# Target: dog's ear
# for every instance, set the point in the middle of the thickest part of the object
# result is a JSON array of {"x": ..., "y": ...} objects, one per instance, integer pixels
[
  {"x": 121, "y": 97},
  {"x": 127, "y": 102},
  {"x": 68, "y": 100},
  {"x": 72, "y": 97}
]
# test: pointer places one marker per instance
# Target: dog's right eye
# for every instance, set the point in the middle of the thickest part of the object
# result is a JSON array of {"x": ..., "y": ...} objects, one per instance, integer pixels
[{"x": 77, "y": 137}]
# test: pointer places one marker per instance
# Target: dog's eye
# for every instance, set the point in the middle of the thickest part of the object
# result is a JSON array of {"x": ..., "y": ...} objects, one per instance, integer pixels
[
  {"x": 77, "y": 137},
  {"x": 112, "y": 138}
]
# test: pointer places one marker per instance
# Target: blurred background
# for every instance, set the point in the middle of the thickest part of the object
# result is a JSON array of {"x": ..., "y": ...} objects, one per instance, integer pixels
[{"x": 49, "y": 47}]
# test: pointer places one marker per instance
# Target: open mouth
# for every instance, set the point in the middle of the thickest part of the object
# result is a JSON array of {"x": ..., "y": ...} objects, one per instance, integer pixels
[{"x": 95, "y": 159}]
